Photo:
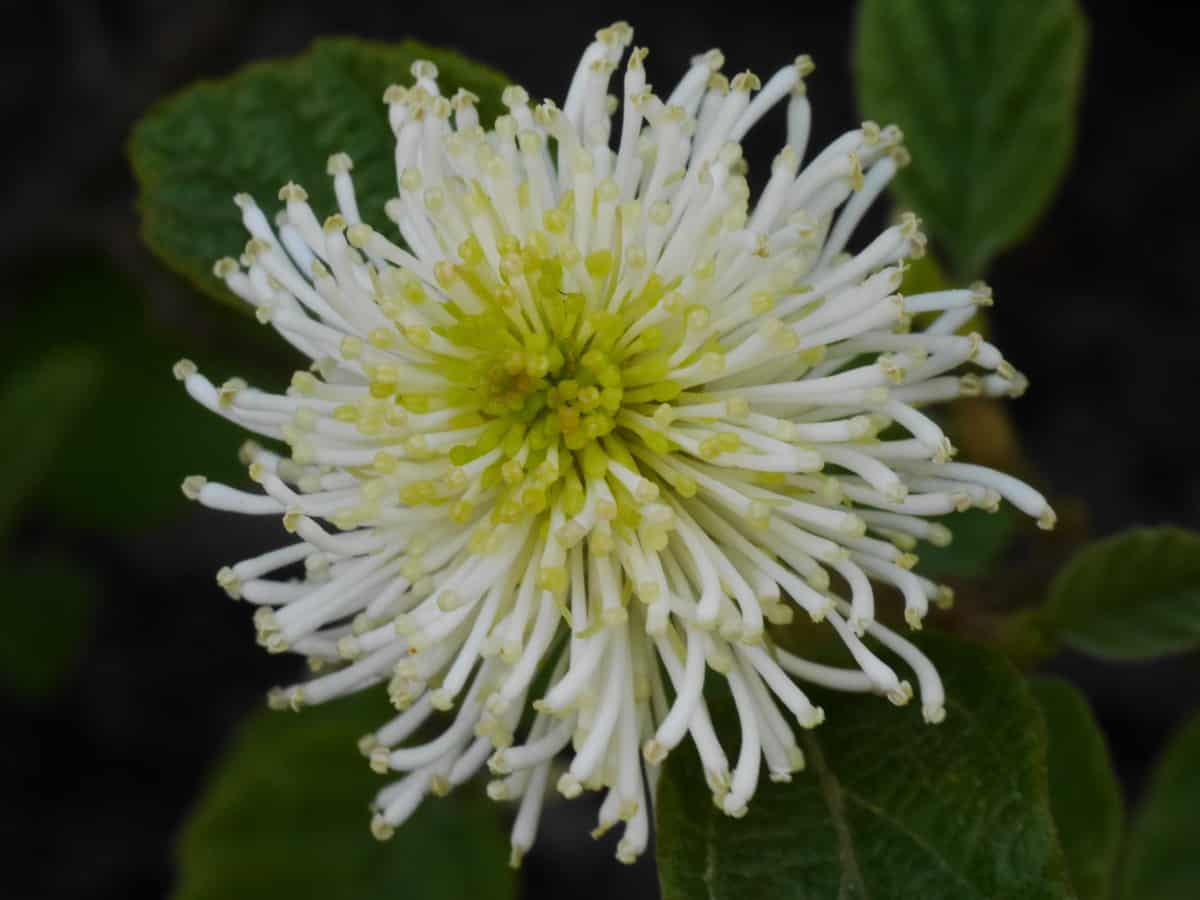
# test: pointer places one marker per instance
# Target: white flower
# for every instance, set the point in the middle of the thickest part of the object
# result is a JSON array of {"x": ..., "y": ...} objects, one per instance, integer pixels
[{"x": 601, "y": 420}]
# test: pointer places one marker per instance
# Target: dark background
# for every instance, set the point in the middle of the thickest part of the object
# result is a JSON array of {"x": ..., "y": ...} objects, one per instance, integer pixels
[{"x": 1099, "y": 308}]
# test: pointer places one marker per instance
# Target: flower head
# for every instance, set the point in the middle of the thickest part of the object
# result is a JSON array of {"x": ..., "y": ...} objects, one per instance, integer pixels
[{"x": 587, "y": 423}]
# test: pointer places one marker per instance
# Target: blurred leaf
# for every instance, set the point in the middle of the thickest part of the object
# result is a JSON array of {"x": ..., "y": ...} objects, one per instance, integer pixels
[
  {"x": 979, "y": 539},
  {"x": 983, "y": 430},
  {"x": 986, "y": 94},
  {"x": 47, "y": 604},
  {"x": 271, "y": 123},
  {"x": 286, "y": 816},
  {"x": 924, "y": 275},
  {"x": 139, "y": 434},
  {"x": 889, "y": 807},
  {"x": 1162, "y": 862},
  {"x": 1084, "y": 795},
  {"x": 40, "y": 404},
  {"x": 1135, "y": 595}
]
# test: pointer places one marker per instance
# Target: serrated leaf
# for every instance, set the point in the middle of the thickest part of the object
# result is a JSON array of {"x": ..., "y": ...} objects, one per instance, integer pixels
[
  {"x": 979, "y": 538},
  {"x": 986, "y": 94},
  {"x": 1132, "y": 596},
  {"x": 286, "y": 816},
  {"x": 1084, "y": 795},
  {"x": 48, "y": 604},
  {"x": 889, "y": 807},
  {"x": 40, "y": 404},
  {"x": 1162, "y": 862},
  {"x": 272, "y": 123}
]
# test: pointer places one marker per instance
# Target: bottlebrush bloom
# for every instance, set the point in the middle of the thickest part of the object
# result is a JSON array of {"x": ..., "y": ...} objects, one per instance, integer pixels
[{"x": 584, "y": 418}]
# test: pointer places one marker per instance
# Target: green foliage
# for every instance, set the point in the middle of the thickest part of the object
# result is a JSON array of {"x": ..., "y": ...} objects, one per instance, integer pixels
[
  {"x": 272, "y": 123},
  {"x": 986, "y": 94},
  {"x": 138, "y": 434},
  {"x": 47, "y": 603},
  {"x": 1084, "y": 795},
  {"x": 1162, "y": 862},
  {"x": 979, "y": 538},
  {"x": 1132, "y": 596},
  {"x": 286, "y": 816},
  {"x": 889, "y": 807},
  {"x": 924, "y": 275},
  {"x": 39, "y": 405}
]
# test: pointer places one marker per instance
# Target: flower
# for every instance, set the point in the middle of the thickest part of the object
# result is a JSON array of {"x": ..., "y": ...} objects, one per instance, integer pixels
[{"x": 591, "y": 428}]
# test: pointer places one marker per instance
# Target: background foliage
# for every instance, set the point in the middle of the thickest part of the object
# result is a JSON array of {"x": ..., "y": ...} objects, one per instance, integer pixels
[{"x": 119, "y": 650}]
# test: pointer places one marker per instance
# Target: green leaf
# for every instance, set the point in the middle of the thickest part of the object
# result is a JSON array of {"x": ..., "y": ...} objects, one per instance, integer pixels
[
  {"x": 271, "y": 123},
  {"x": 48, "y": 604},
  {"x": 1132, "y": 596},
  {"x": 40, "y": 404},
  {"x": 986, "y": 94},
  {"x": 924, "y": 275},
  {"x": 138, "y": 434},
  {"x": 1161, "y": 862},
  {"x": 889, "y": 807},
  {"x": 286, "y": 816},
  {"x": 979, "y": 538},
  {"x": 1084, "y": 795}
]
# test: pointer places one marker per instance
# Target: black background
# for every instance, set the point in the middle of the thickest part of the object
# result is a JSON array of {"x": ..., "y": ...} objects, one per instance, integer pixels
[{"x": 1099, "y": 308}]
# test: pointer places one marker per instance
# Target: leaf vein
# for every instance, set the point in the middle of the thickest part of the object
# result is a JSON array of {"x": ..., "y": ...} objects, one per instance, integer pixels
[
  {"x": 851, "y": 883},
  {"x": 919, "y": 841}
]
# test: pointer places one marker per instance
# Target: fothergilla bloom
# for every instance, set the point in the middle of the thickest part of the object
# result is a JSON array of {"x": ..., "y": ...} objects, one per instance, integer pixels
[{"x": 583, "y": 423}]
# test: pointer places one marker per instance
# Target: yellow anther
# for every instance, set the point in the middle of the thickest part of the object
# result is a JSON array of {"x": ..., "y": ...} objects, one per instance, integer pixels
[
  {"x": 411, "y": 180},
  {"x": 225, "y": 266},
  {"x": 384, "y": 463},
  {"x": 555, "y": 221},
  {"x": 350, "y": 347},
  {"x": 553, "y": 578},
  {"x": 660, "y": 213},
  {"x": 383, "y": 338},
  {"x": 304, "y": 382},
  {"x": 337, "y": 163},
  {"x": 762, "y": 302},
  {"x": 445, "y": 273},
  {"x": 589, "y": 398},
  {"x": 737, "y": 407},
  {"x": 746, "y": 81}
]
